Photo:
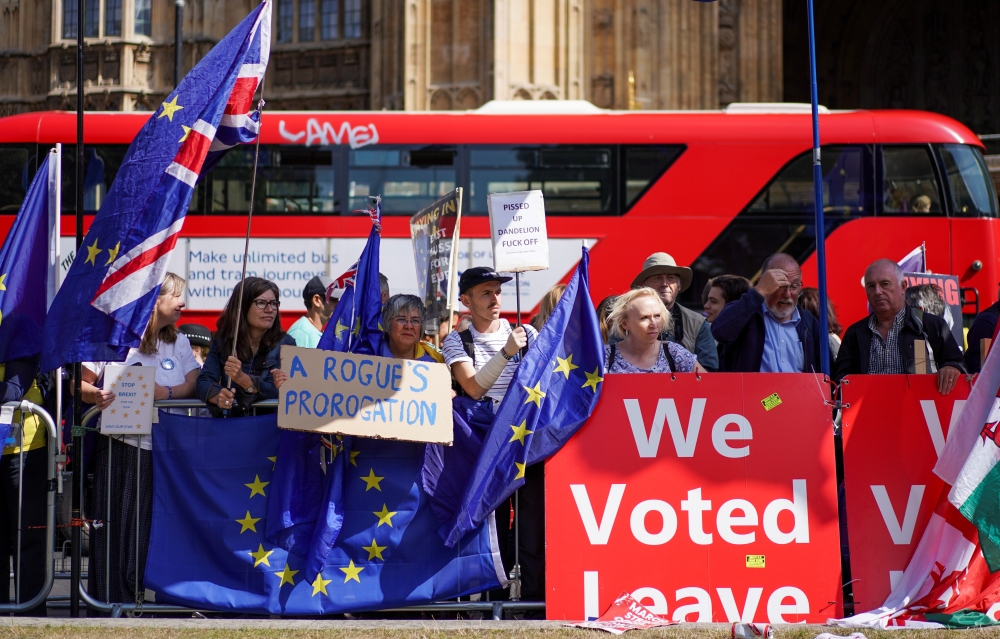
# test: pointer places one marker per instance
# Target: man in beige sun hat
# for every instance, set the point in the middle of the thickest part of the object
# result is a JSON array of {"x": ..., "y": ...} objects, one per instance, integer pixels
[{"x": 687, "y": 328}]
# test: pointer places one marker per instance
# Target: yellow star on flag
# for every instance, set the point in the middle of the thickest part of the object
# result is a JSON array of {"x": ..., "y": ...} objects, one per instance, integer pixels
[
  {"x": 564, "y": 366},
  {"x": 169, "y": 109},
  {"x": 535, "y": 394},
  {"x": 248, "y": 523},
  {"x": 187, "y": 130},
  {"x": 372, "y": 481},
  {"x": 260, "y": 557},
  {"x": 113, "y": 254},
  {"x": 339, "y": 329},
  {"x": 593, "y": 379},
  {"x": 352, "y": 572},
  {"x": 357, "y": 327},
  {"x": 286, "y": 576},
  {"x": 385, "y": 516},
  {"x": 319, "y": 586},
  {"x": 92, "y": 253},
  {"x": 257, "y": 487},
  {"x": 374, "y": 551},
  {"x": 520, "y": 470},
  {"x": 274, "y": 461},
  {"x": 3, "y": 287},
  {"x": 520, "y": 432},
  {"x": 354, "y": 455}
]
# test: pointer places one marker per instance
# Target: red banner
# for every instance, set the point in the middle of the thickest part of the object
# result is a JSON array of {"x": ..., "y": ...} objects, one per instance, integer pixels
[
  {"x": 894, "y": 430},
  {"x": 710, "y": 499}
]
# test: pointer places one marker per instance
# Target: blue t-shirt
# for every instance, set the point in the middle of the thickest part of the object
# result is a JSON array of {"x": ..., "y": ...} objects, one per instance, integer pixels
[
  {"x": 304, "y": 333},
  {"x": 782, "y": 348}
]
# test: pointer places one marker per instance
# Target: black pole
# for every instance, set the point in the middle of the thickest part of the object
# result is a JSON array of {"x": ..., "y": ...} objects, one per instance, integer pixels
[
  {"x": 76, "y": 538},
  {"x": 178, "y": 38}
]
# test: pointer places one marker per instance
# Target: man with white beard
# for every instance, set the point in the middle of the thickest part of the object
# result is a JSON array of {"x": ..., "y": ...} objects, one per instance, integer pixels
[{"x": 763, "y": 331}]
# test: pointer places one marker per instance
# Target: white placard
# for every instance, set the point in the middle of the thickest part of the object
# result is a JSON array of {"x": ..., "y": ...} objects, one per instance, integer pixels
[
  {"x": 517, "y": 226},
  {"x": 132, "y": 411}
]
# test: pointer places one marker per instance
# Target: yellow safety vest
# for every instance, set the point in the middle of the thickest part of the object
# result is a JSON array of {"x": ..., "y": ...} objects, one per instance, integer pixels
[{"x": 33, "y": 431}]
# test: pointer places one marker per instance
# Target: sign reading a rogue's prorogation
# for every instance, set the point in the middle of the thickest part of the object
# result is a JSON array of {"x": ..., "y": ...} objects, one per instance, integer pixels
[
  {"x": 364, "y": 395},
  {"x": 517, "y": 225}
]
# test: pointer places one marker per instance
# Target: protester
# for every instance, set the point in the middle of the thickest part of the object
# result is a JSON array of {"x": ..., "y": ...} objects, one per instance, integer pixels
[
  {"x": 720, "y": 291},
  {"x": 402, "y": 322},
  {"x": 603, "y": 310},
  {"x": 929, "y": 298},
  {"x": 464, "y": 322},
  {"x": 254, "y": 372},
  {"x": 30, "y": 472},
  {"x": 307, "y": 330},
  {"x": 763, "y": 330},
  {"x": 383, "y": 285},
  {"x": 809, "y": 301},
  {"x": 483, "y": 360},
  {"x": 447, "y": 326},
  {"x": 547, "y": 305},
  {"x": 638, "y": 317},
  {"x": 200, "y": 339},
  {"x": 983, "y": 327},
  {"x": 689, "y": 329},
  {"x": 883, "y": 342},
  {"x": 169, "y": 352}
]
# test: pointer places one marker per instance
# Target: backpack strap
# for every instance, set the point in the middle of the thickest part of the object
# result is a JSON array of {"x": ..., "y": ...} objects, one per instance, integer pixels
[
  {"x": 670, "y": 358},
  {"x": 611, "y": 356},
  {"x": 470, "y": 348}
]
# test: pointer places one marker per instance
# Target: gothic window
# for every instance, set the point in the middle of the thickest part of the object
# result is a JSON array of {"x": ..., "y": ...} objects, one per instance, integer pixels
[
  {"x": 103, "y": 18},
  {"x": 330, "y": 17},
  {"x": 113, "y": 17},
  {"x": 285, "y": 17},
  {"x": 143, "y": 15},
  {"x": 333, "y": 19},
  {"x": 352, "y": 18},
  {"x": 307, "y": 21}
]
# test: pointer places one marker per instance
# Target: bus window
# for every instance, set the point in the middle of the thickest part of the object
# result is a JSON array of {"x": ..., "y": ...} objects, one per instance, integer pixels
[
  {"x": 300, "y": 180},
  {"x": 17, "y": 168},
  {"x": 407, "y": 179},
  {"x": 909, "y": 186},
  {"x": 231, "y": 178},
  {"x": 971, "y": 189},
  {"x": 792, "y": 191},
  {"x": 574, "y": 180},
  {"x": 101, "y": 166},
  {"x": 643, "y": 166}
]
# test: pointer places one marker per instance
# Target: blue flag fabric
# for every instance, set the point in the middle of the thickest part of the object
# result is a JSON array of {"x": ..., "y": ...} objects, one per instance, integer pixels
[
  {"x": 208, "y": 549},
  {"x": 24, "y": 273},
  {"x": 307, "y": 514},
  {"x": 554, "y": 391},
  {"x": 107, "y": 298}
]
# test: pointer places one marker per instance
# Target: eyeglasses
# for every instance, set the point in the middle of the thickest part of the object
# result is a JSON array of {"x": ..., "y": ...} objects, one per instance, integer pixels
[
  {"x": 262, "y": 304},
  {"x": 403, "y": 321}
]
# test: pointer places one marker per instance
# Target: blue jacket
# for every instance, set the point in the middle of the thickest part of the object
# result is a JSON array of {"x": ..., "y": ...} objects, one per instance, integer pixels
[
  {"x": 739, "y": 329},
  {"x": 210, "y": 379}
]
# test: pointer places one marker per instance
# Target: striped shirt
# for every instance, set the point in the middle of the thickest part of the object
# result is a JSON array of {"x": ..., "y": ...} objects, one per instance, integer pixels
[
  {"x": 884, "y": 357},
  {"x": 485, "y": 346}
]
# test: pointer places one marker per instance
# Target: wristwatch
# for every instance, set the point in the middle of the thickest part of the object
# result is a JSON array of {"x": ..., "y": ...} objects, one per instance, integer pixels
[{"x": 251, "y": 389}]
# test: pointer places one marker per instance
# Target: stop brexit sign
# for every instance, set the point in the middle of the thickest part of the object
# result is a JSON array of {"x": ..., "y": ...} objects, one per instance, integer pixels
[{"x": 710, "y": 499}]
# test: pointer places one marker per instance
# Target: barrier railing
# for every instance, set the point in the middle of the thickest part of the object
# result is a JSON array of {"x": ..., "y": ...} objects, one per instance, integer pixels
[
  {"x": 50, "y": 508},
  {"x": 496, "y": 609}
]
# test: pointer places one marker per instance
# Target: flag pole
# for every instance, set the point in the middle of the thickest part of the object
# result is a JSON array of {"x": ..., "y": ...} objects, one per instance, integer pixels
[
  {"x": 55, "y": 231},
  {"x": 820, "y": 223},
  {"x": 76, "y": 534}
]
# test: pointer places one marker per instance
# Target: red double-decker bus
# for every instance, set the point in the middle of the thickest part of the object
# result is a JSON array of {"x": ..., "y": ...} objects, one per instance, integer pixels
[{"x": 718, "y": 190}]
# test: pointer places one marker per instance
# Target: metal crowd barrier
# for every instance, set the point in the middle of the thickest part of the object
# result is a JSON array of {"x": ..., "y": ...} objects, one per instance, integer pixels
[
  {"x": 496, "y": 609},
  {"x": 50, "y": 507}
]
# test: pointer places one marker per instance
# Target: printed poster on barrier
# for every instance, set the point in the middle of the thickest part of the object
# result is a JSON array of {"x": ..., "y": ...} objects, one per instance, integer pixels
[
  {"x": 952, "y": 292},
  {"x": 517, "y": 227},
  {"x": 364, "y": 395},
  {"x": 625, "y": 614},
  {"x": 131, "y": 413},
  {"x": 435, "y": 232}
]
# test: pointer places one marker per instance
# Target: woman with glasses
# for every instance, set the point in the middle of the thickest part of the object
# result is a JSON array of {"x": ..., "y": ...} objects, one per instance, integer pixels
[
  {"x": 230, "y": 384},
  {"x": 402, "y": 323}
]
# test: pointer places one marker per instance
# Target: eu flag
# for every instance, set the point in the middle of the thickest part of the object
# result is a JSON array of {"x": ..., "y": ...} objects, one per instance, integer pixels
[
  {"x": 107, "y": 298},
  {"x": 24, "y": 272},
  {"x": 307, "y": 515},
  {"x": 554, "y": 391},
  {"x": 208, "y": 548}
]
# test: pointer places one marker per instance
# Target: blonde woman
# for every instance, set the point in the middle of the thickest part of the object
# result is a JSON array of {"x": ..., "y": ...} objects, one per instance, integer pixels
[
  {"x": 637, "y": 318},
  {"x": 549, "y": 301}
]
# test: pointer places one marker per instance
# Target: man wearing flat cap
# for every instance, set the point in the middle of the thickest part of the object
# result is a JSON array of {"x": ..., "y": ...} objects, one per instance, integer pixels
[{"x": 689, "y": 329}]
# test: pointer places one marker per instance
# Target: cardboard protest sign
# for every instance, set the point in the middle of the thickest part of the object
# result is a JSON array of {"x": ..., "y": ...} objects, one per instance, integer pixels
[
  {"x": 517, "y": 226},
  {"x": 364, "y": 395},
  {"x": 435, "y": 231},
  {"x": 625, "y": 614},
  {"x": 132, "y": 411},
  {"x": 952, "y": 292}
]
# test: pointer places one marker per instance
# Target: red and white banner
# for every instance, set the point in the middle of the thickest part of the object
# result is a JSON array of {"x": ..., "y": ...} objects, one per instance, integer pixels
[
  {"x": 894, "y": 430},
  {"x": 710, "y": 500},
  {"x": 625, "y": 614}
]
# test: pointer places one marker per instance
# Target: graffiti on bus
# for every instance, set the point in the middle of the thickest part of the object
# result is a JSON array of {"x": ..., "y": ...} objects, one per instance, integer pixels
[{"x": 325, "y": 133}]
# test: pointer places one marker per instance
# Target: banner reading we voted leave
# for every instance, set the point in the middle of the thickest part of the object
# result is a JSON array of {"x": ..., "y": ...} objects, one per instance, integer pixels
[
  {"x": 709, "y": 498},
  {"x": 364, "y": 395}
]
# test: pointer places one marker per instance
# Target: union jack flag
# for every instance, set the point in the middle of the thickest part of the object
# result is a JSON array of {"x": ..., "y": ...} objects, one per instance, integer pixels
[
  {"x": 107, "y": 299},
  {"x": 342, "y": 282}
]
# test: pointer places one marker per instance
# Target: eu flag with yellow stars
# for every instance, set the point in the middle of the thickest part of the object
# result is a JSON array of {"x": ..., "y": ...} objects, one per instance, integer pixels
[
  {"x": 208, "y": 547},
  {"x": 554, "y": 391}
]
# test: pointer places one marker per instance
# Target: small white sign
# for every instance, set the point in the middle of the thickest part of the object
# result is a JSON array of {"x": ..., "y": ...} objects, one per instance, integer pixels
[
  {"x": 517, "y": 225},
  {"x": 132, "y": 411}
]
